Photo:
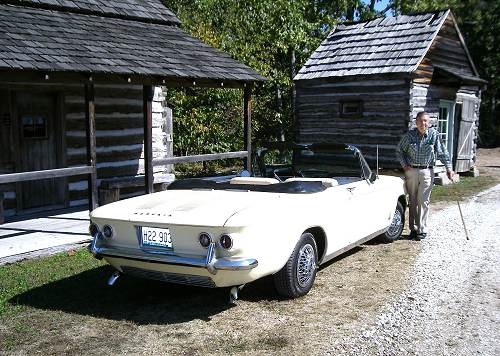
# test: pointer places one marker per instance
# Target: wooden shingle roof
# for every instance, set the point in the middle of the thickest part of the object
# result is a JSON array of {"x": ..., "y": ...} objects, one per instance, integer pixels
[
  {"x": 142, "y": 10},
  {"x": 384, "y": 45},
  {"x": 55, "y": 40}
]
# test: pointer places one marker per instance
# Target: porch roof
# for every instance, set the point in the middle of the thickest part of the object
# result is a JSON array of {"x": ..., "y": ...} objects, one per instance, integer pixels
[
  {"x": 460, "y": 76},
  {"x": 62, "y": 40},
  {"x": 139, "y": 10}
]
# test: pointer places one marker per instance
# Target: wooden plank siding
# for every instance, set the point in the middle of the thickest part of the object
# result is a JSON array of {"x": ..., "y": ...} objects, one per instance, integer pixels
[
  {"x": 386, "y": 112},
  {"x": 447, "y": 49}
]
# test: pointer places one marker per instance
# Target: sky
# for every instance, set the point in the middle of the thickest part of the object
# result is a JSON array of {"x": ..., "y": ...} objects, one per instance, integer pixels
[{"x": 379, "y": 5}]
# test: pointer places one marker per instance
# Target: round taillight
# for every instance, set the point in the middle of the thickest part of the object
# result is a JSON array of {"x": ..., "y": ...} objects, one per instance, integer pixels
[
  {"x": 226, "y": 241},
  {"x": 93, "y": 229},
  {"x": 205, "y": 239},
  {"x": 107, "y": 231}
]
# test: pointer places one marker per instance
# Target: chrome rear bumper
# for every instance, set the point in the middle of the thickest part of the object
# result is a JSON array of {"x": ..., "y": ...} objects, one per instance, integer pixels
[{"x": 210, "y": 262}]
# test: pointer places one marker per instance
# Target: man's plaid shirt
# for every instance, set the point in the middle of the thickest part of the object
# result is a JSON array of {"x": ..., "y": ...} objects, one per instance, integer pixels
[{"x": 416, "y": 150}]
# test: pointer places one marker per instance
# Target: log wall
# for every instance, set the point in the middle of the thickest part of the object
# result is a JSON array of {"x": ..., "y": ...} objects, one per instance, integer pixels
[
  {"x": 385, "y": 117},
  {"x": 119, "y": 131},
  {"x": 119, "y": 135}
]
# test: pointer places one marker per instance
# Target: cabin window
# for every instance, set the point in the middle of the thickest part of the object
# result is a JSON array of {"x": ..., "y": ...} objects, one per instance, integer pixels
[
  {"x": 34, "y": 126},
  {"x": 351, "y": 108}
]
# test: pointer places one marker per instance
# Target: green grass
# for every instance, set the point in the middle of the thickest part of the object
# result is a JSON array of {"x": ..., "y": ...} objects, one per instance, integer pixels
[
  {"x": 467, "y": 187},
  {"x": 18, "y": 278}
]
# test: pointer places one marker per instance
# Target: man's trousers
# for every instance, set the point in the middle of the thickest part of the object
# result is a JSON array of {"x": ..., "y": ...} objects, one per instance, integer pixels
[{"x": 419, "y": 184}]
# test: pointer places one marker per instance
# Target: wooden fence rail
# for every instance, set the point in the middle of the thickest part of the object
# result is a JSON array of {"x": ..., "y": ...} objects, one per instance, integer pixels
[
  {"x": 45, "y": 174},
  {"x": 37, "y": 175},
  {"x": 200, "y": 158}
]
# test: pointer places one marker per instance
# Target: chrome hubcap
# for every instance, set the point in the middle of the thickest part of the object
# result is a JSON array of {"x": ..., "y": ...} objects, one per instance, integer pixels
[
  {"x": 306, "y": 265},
  {"x": 396, "y": 223}
]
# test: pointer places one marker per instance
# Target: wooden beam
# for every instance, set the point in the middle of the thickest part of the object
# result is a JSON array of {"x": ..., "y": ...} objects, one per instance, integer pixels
[
  {"x": 247, "y": 117},
  {"x": 45, "y": 174},
  {"x": 148, "y": 93},
  {"x": 16, "y": 143},
  {"x": 2, "y": 218},
  {"x": 63, "y": 152},
  {"x": 91, "y": 144},
  {"x": 69, "y": 77},
  {"x": 200, "y": 158}
]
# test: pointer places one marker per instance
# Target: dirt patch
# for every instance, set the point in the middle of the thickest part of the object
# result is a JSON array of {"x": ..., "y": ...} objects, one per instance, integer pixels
[{"x": 488, "y": 161}]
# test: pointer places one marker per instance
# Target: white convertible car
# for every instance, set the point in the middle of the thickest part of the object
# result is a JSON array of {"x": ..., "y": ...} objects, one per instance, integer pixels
[{"x": 322, "y": 201}]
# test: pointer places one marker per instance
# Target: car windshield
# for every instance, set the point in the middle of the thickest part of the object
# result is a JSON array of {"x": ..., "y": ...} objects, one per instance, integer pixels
[
  {"x": 291, "y": 165},
  {"x": 312, "y": 161},
  {"x": 327, "y": 163}
]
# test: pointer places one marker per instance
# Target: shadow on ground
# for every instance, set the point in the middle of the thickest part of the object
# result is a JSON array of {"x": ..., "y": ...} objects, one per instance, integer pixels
[
  {"x": 141, "y": 301},
  {"x": 132, "y": 299}
]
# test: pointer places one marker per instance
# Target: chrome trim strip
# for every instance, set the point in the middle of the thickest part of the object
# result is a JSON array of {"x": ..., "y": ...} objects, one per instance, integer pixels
[
  {"x": 235, "y": 263},
  {"x": 350, "y": 246},
  {"x": 209, "y": 262}
]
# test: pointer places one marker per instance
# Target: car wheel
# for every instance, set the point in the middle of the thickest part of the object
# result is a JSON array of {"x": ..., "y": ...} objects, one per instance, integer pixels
[
  {"x": 296, "y": 278},
  {"x": 396, "y": 228}
]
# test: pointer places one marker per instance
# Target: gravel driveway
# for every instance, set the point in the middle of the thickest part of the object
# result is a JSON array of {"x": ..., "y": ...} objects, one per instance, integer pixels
[{"x": 452, "y": 306}]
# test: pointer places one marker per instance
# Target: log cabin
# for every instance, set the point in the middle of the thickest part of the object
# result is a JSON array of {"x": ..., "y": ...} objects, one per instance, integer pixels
[
  {"x": 81, "y": 102},
  {"x": 367, "y": 81}
]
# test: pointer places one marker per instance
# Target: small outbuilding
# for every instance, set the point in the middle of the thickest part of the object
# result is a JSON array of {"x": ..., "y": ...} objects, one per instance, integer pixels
[
  {"x": 367, "y": 81},
  {"x": 81, "y": 102}
]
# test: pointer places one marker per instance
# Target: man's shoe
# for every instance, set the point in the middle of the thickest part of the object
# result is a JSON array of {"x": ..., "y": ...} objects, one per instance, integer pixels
[
  {"x": 421, "y": 235},
  {"x": 413, "y": 235}
]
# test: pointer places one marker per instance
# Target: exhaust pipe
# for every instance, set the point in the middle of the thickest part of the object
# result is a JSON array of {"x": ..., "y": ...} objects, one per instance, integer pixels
[{"x": 113, "y": 278}]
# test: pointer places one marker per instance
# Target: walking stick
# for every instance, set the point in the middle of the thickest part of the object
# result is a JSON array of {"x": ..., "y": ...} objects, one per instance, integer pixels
[{"x": 463, "y": 221}]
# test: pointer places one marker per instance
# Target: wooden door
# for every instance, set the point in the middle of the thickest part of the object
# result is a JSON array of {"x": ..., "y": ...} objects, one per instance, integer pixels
[
  {"x": 39, "y": 134},
  {"x": 6, "y": 159},
  {"x": 466, "y": 136}
]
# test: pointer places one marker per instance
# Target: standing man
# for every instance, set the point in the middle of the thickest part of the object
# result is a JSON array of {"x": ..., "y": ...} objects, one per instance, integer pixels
[{"x": 417, "y": 152}]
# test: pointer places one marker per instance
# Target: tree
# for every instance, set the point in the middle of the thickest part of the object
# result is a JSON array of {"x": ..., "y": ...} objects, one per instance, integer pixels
[{"x": 273, "y": 37}]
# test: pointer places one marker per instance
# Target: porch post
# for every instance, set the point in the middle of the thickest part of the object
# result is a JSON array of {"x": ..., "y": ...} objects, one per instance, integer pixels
[
  {"x": 2, "y": 219},
  {"x": 148, "y": 136},
  {"x": 91, "y": 144},
  {"x": 247, "y": 114}
]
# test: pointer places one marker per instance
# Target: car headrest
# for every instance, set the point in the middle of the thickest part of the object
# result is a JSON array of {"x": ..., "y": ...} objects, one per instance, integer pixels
[{"x": 253, "y": 180}]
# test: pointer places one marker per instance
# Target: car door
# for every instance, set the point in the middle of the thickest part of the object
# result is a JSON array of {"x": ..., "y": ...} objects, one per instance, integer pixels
[
  {"x": 362, "y": 196},
  {"x": 339, "y": 217}
]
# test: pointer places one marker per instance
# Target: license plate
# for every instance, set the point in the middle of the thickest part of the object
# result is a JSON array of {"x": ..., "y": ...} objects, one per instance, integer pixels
[{"x": 156, "y": 237}]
